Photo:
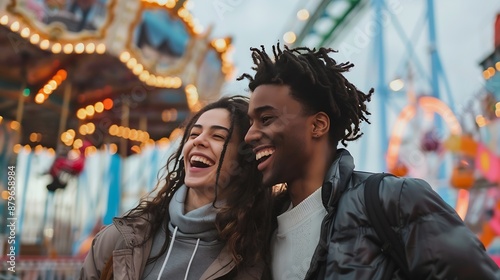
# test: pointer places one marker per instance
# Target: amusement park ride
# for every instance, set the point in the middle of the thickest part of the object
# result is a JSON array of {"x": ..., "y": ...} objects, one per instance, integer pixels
[
  {"x": 427, "y": 139},
  {"x": 84, "y": 66},
  {"x": 93, "y": 82},
  {"x": 341, "y": 14},
  {"x": 106, "y": 75}
]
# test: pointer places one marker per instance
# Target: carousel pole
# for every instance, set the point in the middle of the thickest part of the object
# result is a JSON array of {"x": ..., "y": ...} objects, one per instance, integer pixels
[
  {"x": 22, "y": 97},
  {"x": 123, "y": 153},
  {"x": 19, "y": 119},
  {"x": 51, "y": 215},
  {"x": 116, "y": 171},
  {"x": 65, "y": 107},
  {"x": 20, "y": 110},
  {"x": 143, "y": 123},
  {"x": 125, "y": 123}
]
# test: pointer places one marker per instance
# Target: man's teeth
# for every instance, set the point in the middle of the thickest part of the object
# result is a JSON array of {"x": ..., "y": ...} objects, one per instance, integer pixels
[
  {"x": 263, "y": 153},
  {"x": 202, "y": 160}
]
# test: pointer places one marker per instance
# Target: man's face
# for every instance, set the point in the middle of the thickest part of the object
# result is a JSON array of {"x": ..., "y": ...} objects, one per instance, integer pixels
[{"x": 279, "y": 134}]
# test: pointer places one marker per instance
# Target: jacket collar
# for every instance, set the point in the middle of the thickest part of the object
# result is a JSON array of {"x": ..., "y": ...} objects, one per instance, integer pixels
[
  {"x": 334, "y": 184},
  {"x": 337, "y": 177},
  {"x": 133, "y": 230},
  {"x": 224, "y": 264}
]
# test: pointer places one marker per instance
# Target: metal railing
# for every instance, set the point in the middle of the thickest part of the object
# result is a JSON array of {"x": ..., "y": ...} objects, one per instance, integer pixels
[{"x": 36, "y": 268}]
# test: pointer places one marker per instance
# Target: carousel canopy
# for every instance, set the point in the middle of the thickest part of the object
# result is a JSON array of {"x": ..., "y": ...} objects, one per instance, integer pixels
[{"x": 106, "y": 71}]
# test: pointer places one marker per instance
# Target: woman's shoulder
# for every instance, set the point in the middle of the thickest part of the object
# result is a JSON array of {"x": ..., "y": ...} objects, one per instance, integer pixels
[
  {"x": 122, "y": 230},
  {"x": 108, "y": 236}
]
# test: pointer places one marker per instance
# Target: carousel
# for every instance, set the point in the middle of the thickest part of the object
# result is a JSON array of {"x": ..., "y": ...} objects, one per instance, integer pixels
[{"x": 92, "y": 96}]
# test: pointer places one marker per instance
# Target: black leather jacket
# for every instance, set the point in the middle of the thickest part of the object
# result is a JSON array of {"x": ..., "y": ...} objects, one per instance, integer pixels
[{"x": 438, "y": 244}]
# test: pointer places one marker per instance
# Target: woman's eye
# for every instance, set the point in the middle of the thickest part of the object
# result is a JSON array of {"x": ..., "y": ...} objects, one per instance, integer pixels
[
  {"x": 193, "y": 135},
  {"x": 219, "y": 136}
]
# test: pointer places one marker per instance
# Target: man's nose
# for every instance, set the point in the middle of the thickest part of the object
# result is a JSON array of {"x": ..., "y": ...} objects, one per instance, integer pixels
[{"x": 252, "y": 136}]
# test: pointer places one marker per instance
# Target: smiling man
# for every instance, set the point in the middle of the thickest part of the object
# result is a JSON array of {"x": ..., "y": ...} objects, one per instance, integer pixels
[{"x": 301, "y": 108}]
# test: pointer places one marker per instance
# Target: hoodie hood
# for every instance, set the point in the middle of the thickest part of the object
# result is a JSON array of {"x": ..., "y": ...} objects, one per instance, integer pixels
[{"x": 198, "y": 223}]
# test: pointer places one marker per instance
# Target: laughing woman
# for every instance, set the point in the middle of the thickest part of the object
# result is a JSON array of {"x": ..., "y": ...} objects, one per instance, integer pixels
[{"x": 210, "y": 218}]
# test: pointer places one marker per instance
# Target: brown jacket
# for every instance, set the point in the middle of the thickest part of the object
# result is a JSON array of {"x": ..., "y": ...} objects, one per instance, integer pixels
[{"x": 123, "y": 240}]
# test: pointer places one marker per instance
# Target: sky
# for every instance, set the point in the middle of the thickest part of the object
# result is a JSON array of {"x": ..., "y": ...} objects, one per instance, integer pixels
[
  {"x": 249, "y": 24},
  {"x": 464, "y": 37}
]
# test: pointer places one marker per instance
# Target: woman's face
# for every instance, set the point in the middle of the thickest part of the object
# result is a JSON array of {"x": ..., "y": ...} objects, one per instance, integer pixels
[{"x": 203, "y": 149}]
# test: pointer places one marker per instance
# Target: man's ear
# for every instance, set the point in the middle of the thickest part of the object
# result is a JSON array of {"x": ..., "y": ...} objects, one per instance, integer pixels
[{"x": 320, "y": 124}]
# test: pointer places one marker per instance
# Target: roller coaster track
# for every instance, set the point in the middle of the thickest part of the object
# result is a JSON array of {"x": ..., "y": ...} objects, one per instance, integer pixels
[{"x": 345, "y": 12}]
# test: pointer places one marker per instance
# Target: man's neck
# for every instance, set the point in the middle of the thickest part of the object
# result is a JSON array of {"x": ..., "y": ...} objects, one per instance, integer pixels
[
  {"x": 300, "y": 191},
  {"x": 312, "y": 179}
]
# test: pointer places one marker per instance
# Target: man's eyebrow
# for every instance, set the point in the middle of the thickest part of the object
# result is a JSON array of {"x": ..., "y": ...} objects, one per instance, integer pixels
[
  {"x": 261, "y": 109},
  {"x": 213, "y": 127}
]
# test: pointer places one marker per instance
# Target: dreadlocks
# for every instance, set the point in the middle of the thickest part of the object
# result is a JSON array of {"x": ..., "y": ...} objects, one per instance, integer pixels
[{"x": 316, "y": 80}]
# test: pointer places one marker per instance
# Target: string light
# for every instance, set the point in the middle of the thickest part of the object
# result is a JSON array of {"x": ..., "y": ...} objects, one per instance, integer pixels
[
  {"x": 289, "y": 37},
  {"x": 50, "y": 86},
  {"x": 90, "y": 48},
  {"x": 129, "y": 133},
  {"x": 303, "y": 14},
  {"x": 4, "y": 20}
]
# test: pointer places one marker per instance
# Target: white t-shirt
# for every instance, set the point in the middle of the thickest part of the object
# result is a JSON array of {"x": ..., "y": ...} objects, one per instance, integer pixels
[{"x": 296, "y": 238}]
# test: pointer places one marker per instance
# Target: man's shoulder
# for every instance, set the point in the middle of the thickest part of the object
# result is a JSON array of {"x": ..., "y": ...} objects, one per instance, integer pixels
[
  {"x": 391, "y": 185},
  {"x": 360, "y": 177}
]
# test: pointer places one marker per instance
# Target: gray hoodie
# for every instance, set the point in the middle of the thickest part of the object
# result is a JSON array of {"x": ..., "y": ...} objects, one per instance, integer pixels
[
  {"x": 194, "y": 243},
  {"x": 124, "y": 242}
]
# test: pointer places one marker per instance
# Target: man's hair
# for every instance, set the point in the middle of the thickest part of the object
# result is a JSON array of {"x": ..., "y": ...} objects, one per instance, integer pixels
[{"x": 315, "y": 80}]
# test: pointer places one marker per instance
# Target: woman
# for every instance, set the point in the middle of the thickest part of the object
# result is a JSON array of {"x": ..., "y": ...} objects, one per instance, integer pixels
[{"x": 210, "y": 220}]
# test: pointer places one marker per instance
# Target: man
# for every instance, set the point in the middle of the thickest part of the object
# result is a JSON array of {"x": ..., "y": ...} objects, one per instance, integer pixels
[{"x": 301, "y": 108}]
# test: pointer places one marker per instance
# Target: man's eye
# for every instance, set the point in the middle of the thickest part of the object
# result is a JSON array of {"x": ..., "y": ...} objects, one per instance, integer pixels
[{"x": 266, "y": 119}]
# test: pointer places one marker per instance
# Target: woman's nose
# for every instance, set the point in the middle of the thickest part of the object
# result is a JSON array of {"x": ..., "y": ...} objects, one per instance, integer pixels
[{"x": 200, "y": 141}]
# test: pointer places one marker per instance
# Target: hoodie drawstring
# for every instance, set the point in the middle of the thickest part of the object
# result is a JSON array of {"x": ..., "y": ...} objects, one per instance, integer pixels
[
  {"x": 168, "y": 253},
  {"x": 170, "y": 250},
  {"x": 191, "y": 260}
]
